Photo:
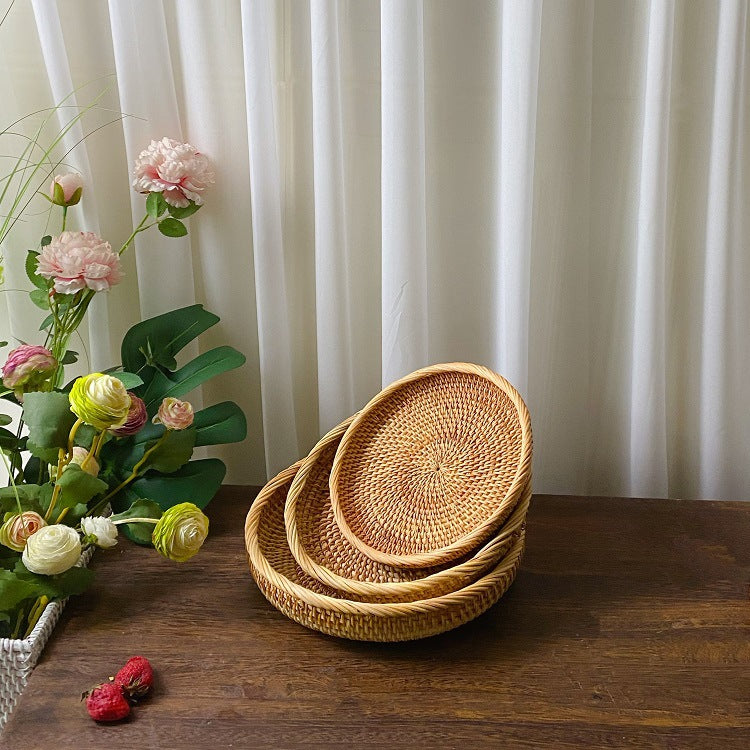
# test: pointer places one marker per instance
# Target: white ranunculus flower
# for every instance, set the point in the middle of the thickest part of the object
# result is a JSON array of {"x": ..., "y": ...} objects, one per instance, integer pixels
[
  {"x": 52, "y": 550},
  {"x": 102, "y": 531}
]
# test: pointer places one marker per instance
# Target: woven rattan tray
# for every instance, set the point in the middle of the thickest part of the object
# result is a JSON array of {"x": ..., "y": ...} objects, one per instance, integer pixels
[
  {"x": 322, "y": 551},
  {"x": 432, "y": 466},
  {"x": 317, "y": 606}
]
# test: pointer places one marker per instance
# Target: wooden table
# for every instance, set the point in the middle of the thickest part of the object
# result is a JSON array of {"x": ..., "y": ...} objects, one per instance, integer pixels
[{"x": 627, "y": 627}]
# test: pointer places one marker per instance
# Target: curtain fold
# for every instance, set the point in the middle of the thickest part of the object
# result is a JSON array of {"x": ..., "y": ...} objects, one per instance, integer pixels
[{"x": 556, "y": 190}]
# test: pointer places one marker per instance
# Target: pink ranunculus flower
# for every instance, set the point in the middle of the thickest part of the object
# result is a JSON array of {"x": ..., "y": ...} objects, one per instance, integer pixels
[
  {"x": 76, "y": 260},
  {"x": 28, "y": 365},
  {"x": 85, "y": 460},
  {"x": 176, "y": 170},
  {"x": 137, "y": 417},
  {"x": 19, "y": 527},
  {"x": 72, "y": 187},
  {"x": 174, "y": 414}
]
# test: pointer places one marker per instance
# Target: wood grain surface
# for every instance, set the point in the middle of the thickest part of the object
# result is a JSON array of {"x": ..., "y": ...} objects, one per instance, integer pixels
[{"x": 627, "y": 627}]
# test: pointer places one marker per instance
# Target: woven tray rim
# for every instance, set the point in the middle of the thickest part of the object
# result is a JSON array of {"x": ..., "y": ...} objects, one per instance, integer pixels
[
  {"x": 482, "y": 531},
  {"x": 427, "y": 587},
  {"x": 489, "y": 582}
]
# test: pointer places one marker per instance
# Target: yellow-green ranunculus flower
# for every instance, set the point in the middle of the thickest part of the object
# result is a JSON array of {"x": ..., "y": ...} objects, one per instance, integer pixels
[
  {"x": 100, "y": 400},
  {"x": 180, "y": 532}
]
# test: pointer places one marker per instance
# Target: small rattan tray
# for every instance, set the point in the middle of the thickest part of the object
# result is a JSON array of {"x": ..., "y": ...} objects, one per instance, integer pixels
[
  {"x": 322, "y": 551},
  {"x": 317, "y": 606},
  {"x": 432, "y": 466}
]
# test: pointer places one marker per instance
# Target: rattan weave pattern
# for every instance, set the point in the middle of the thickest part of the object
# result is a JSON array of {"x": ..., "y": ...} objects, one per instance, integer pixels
[
  {"x": 324, "y": 553},
  {"x": 432, "y": 466},
  {"x": 320, "y": 607}
]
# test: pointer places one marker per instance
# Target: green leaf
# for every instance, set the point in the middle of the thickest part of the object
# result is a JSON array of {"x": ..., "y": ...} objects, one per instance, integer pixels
[
  {"x": 172, "y": 228},
  {"x": 28, "y": 496},
  {"x": 196, "y": 482},
  {"x": 78, "y": 487},
  {"x": 48, "y": 455},
  {"x": 204, "y": 367},
  {"x": 155, "y": 205},
  {"x": 73, "y": 581},
  {"x": 183, "y": 213},
  {"x": 14, "y": 589},
  {"x": 69, "y": 358},
  {"x": 46, "y": 240},
  {"x": 85, "y": 436},
  {"x": 173, "y": 451},
  {"x": 32, "y": 259},
  {"x": 48, "y": 418},
  {"x": 36, "y": 470},
  {"x": 40, "y": 297},
  {"x": 221, "y": 423},
  {"x": 47, "y": 322},
  {"x": 129, "y": 379},
  {"x": 140, "y": 508},
  {"x": 169, "y": 333},
  {"x": 5, "y": 419}
]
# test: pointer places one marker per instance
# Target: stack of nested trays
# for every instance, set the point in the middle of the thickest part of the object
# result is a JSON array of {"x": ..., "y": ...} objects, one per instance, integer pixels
[{"x": 406, "y": 520}]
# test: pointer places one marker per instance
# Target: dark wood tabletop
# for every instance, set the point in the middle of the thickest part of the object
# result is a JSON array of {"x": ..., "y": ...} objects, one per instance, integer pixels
[{"x": 628, "y": 626}]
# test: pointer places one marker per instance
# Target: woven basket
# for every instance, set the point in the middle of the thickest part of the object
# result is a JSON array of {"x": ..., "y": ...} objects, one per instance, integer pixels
[
  {"x": 322, "y": 551},
  {"x": 18, "y": 656},
  {"x": 432, "y": 466},
  {"x": 315, "y": 605}
]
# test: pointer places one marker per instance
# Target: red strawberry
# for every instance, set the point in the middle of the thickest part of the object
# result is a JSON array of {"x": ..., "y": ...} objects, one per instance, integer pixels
[
  {"x": 107, "y": 703},
  {"x": 136, "y": 678}
]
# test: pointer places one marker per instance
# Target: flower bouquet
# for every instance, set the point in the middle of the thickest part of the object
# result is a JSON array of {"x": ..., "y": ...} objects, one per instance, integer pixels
[{"x": 107, "y": 454}]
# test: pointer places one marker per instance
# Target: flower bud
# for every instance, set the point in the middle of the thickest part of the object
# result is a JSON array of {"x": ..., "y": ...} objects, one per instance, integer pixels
[
  {"x": 100, "y": 400},
  {"x": 19, "y": 527},
  {"x": 85, "y": 460},
  {"x": 180, "y": 532},
  {"x": 174, "y": 414},
  {"x": 137, "y": 417},
  {"x": 28, "y": 368},
  {"x": 66, "y": 189},
  {"x": 52, "y": 550},
  {"x": 99, "y": 531}
]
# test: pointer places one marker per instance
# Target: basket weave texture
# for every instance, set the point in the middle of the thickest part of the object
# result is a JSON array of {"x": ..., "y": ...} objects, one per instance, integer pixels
[
  {"x": 18, "y": 656},
  {"x": 322, "y": 551},
  {"x": 312, "y": 603},
  {"x": 432, "y": 466}
]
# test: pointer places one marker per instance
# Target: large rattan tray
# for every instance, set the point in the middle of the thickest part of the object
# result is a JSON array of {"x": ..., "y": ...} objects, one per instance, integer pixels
[
  {"x": 317, "y": 606},
  {"x": 322, "y": 551},
  {"x": 432, "y": 466}
]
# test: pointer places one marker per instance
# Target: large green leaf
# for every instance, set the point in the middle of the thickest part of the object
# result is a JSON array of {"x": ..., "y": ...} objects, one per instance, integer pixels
[
  {"x": 128, "y": 379},
  {"x": 204, "y": 367},
  {"x": 49, "y": 419},
  {"x": 169, "y": 333},
  {"x": 221, "y": 423},
  {"x": 32, "y": 260},
  {"x": 196, "y": 482},
  {"x": 77, "y": 487}
]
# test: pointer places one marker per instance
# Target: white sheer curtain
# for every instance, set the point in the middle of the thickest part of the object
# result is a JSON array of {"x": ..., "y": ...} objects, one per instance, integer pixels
[{"x": 558, "y": 190}]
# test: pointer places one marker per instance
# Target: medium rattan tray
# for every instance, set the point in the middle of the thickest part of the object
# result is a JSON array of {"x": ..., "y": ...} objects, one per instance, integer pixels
[
  {"x": 322, "y": 551},
  {"x": 317, "y": 606},
  {"x": 432, "y": 466}
]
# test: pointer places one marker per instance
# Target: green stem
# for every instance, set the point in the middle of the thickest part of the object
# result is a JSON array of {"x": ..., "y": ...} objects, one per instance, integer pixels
[
  {"x": 136, "y": 520},
  {"x": 139, "y": 228},
  {"x": 65, "y": 217},
  {"x": 133, "y": 474}
]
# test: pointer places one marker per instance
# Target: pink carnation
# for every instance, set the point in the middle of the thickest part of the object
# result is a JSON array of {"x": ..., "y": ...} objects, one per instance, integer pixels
[
  {"x": 26, "y": 363},
  {"x": 176, "y": 170},
  {"x": 137, "y": 417},
  {"x": 76, "y": 260},
  {"x": 174, "y": 414}
]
